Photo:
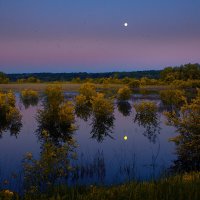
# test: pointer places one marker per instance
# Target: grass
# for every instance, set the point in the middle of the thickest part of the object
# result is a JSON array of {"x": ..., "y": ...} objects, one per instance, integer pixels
[{"x": 180, "y": 187}]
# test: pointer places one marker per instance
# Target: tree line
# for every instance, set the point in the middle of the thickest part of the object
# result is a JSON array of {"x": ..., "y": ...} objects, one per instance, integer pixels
[{"x": 168, "y": 74}]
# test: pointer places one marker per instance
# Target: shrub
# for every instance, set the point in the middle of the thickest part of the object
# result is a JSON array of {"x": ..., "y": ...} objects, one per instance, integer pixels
[
  {"x": 102, "y": 106},
  {"x": 9, "y": 114},
  {"x": 173, "y": 98},
  {"x": 29, "y": 94},
  {"x": 124, "y": 94},
  {"x": 88, "y": 90},
  {"x": 134, "y": 84},
  {"x": 187, "y": 124}
]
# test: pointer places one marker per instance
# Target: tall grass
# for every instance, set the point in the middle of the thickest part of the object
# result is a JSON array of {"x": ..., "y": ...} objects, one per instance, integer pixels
[
  {"x": 179, "y": 187},
  {"x": 182, "y": 187}
]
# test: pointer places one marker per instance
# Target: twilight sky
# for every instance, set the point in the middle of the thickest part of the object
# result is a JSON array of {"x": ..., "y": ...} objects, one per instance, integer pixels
[{"x": 89, "y": 35}]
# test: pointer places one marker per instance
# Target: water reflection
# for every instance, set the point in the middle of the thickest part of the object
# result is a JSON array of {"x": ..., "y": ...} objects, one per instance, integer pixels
[
  {"x": 10, "y": 117},
  {"x": 124, "y": 107},
  {"x": 27, "y": 102},
  {"x": 90, "y": 169},
  {"x": 55, "y": 128},
  {"x": 102, "y": 127},
  {"x": 84, "y": 112},
  {"x": 13, "y": 126},
  {"x": 147, "y": 117}
]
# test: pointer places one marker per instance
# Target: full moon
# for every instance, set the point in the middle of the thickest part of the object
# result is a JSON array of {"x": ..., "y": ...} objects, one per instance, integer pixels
[{"x": 125, "y": 24}]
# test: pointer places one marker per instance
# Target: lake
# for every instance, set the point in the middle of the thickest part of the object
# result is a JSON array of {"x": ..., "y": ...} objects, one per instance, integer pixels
[{"x": 126, "y": 151}]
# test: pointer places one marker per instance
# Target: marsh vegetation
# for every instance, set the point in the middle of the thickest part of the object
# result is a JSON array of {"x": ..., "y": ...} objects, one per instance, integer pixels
[{"x": 146, "y": 137}]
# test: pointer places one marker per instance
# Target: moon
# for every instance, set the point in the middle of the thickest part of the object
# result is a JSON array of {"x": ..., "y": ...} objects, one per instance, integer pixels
[
  {"x": 125, "y": 137},
  {"x": 125, "y": 24}
]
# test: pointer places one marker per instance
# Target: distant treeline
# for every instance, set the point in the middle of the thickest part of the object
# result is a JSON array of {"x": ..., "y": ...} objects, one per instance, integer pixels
[
  {"x": 168, "y": 75},
  {"x": 46, "y": 77}
]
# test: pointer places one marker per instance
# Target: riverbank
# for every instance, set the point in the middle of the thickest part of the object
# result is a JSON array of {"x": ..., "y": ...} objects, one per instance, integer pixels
[{"x": 179, "y": 187}]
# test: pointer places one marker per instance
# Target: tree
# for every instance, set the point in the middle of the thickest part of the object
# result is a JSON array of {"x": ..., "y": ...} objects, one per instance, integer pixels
[
  {"x": 187, "y": 124},
  {"x": 3, "y": 78}
]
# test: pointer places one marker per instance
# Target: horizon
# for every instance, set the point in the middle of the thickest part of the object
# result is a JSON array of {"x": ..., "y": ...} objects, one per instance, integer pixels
[
  {"x": 84, "y": 72},
  {"x": 97, "y": 36}
]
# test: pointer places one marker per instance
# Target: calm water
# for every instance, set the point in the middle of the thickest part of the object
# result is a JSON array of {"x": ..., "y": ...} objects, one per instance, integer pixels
[{"x": 108, "y": 160}]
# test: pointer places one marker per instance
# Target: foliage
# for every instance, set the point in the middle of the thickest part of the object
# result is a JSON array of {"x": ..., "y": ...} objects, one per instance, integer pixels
[
  {"x": 84, "y": 76},
  {"x": 180, "y": 187},
  {"x": 124, "y": 94},
  {"x": 102, "y": 120},
  {"x": 188, "y": 141},
  {"x": 146, "y": 116},
  {"x": 124, "y": 108},
  {"x": 173, "y": 98},
  {"x": 3, "y": 78},
  {"x": 101, "y": 106},
  {"x": 52, "y": 168},
  {"x": 82, "y": 107},
  {"x": 53, "y": 97},
  {"x": 9, "y": 114},
  {"x": 88, "y": 90},
  {"x": 184, "y": 72},
  {"x": 30, "y": 79},
  {"x": 57, "y": 116},
  {"x": 186, "y": 84},
  {"x": 29, "y": 97},
  {"x": 134, "y": 84},
  {"x": 147, "y": 81}
]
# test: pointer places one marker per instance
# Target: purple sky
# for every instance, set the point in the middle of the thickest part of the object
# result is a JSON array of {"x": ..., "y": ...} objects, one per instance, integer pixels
[{"x": 88, "y": 35}]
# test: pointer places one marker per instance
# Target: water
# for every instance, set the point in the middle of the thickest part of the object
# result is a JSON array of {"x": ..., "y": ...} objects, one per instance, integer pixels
[{"x": 106, "y": 160}]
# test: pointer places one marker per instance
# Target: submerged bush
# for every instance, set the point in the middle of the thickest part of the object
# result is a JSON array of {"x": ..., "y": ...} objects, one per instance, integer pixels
[
  {"x": 103, "y": 117},
  {"x": 88, "y": 90},
  {"x": 102, "y": 106},
  {"x": 124, "y": 94},
  {"x": 146, "y": 110},
  {"x": 29, "y": 97},
  {"x": 173, "y": 98},
  {"x": 83, "y": 107},
  {"x": 57, "y": 116},
  {"x": 29, "y": 94},
  {"x": 10, "y": 117},
  {"x": 54, "y": 97}
]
